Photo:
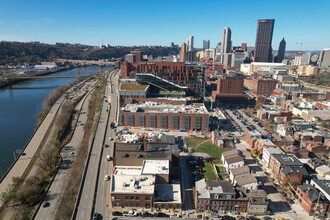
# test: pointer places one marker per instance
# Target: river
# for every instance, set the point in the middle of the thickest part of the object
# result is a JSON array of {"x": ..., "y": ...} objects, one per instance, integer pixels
[{"x": 19, "y": 107}]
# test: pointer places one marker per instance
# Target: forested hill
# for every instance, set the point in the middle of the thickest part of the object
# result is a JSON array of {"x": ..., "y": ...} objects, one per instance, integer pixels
[{"x": 17, "y": 53}]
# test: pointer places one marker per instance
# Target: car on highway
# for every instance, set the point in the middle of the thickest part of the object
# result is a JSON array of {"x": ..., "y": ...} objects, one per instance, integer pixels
[
  {"x": 45, "y": 204},
  {"x": 106, "y": 177},
  {"x": 105, "y": 145},
  {"x": 95, "y": 216}
]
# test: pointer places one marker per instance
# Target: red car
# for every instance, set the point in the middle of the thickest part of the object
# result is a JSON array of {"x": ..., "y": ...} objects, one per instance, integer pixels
[{"x": 248, "y": 150}]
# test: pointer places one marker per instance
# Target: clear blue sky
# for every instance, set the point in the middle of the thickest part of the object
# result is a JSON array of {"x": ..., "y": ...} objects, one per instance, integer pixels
[{"x": 160, "y": 22}]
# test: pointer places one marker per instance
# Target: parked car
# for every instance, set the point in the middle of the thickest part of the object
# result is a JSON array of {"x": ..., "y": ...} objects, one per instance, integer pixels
[
  {"x": 130, "y": 214},
  {"x": 117, "y": 214},
  {"x": 105, "y": 145},
  {"x": 160, "y": 215},
  {"x": 283, "y": 194},
  {"x": 106, "y": 177}
]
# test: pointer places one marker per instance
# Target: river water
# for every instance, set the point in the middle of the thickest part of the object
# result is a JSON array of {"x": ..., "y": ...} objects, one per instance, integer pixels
[{"x": 19, "y": 107}]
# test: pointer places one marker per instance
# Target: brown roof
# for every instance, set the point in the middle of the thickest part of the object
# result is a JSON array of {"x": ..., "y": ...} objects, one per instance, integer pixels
[
  {"x": 243, "y": 180},
  {"x": 240, "y": 170},
  {"x": 234, "y": 159},
  {"x": 133, "y": 87},
  {"x": 232, "y": 152}
]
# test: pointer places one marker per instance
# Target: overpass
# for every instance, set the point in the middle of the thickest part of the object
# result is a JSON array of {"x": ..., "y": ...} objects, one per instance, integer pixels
[{"x": 87, "y": 62}]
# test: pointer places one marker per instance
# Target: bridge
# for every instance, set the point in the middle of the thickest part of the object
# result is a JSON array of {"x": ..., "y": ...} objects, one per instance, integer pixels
[
  {"x": 87, "y": 62},
  {"x": 40, "y": 77}
]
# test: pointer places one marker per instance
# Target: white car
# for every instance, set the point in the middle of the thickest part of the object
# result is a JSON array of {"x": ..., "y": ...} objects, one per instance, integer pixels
[
  {"x": 129, "y": 213},
  {"x": 106, "y": 177}
]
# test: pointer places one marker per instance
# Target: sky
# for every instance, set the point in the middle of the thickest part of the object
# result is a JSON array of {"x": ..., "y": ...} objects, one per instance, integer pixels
[{"x": 160, "y": 22}]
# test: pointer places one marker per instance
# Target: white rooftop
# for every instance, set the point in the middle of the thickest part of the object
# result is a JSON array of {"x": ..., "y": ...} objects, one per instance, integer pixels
[
  {"x": 170, "y": 193},
  {"x": 196, "y": 108},
  {"x": 272, "y": 150},
  {"x": 127, "y": 170},
  {"x": 139, "y": 184},
  {"x": 155, "y": 167},
  {"x": 323, "y": 169},
  {"x": 201, "y": 189}
]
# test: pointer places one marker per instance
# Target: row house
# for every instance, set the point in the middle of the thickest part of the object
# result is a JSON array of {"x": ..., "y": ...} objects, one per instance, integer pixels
[
  {"x": 238, "y": 172},
  {"x": 219, "y": 196},
  {"x": 287, "y": 168},
  {"x": 233, "y": 162},
  {"x": 309, "y": 136},
  {"x": 313, "y": 200},
  {"x": 260, "y": 144}
]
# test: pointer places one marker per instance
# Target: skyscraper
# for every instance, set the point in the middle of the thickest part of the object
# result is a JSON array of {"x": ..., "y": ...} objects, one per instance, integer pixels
[
  {"x": 226, "y": 41},
  {"x": 281, "y": 51},
  {"x": 263, "y": 45},
  {"x": 190, "y": 43},
  {"x": 206, "y": 44}
]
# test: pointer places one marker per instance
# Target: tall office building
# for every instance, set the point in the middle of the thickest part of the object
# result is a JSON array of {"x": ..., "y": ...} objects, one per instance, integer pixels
[
  {"x": 263, "y": 46},
  {"x": 183, "y": 52},
  {"x": 324, "y": 61},
  {"x": 281, "y": 51},
  {"x": 190, "y": 43},
  {"x": 226, "y": 41},
  {"x": 206, "y": 44}
]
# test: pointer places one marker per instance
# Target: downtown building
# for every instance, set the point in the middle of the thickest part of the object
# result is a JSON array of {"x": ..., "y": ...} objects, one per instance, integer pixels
[
  {"x": 262, "y": 86},
  {"x": 263, "y": 45},
  {"x": 165, "y": 116}
]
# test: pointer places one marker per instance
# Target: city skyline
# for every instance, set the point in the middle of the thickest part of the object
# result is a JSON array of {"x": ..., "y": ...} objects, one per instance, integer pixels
[{"x": 130, "y": 23}]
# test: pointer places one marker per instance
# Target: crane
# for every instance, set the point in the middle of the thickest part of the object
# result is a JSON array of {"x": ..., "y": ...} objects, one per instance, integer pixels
[{"x": 301, "y": 44}]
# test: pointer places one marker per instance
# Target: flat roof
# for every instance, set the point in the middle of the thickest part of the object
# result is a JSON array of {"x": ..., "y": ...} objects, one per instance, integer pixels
[
  {"x": 240, "y": 170},
  {"x": 273, "y": 150},
  {"x": 133, "y": 87},
  {"x": 265, "y": 142},
  {"x": 170, "y": 193},
  {"x": 127, "y": 170},
  {"x": 201, "y": 189},
  {"x": 323, "y": 169},
  {"x": 155, "y": 167},
  {"x": 139, "y": 184},
  {"x": 195, "y": 108}
]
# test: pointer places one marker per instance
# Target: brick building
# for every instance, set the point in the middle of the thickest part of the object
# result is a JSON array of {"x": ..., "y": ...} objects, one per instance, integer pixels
[
  {"x": 309, "y": 136},
  {"x": 219, "y": 196},
  {"x": 176, "y": 72},
  {"x": 287, "y": 168},
  {"x": 308, "y": 197},
  {"x": 262, "y": 85},
  {"x": 261, "y": 143},
  {"x": 230, "y": 89},
  {"x": 251, "y": 137},
  {"x": 166, "y": 116},
  {"x": 310, "y": 96}
]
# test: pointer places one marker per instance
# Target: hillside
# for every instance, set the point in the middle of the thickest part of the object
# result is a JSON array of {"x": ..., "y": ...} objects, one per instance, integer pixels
[{"x": 18, "y": 53}]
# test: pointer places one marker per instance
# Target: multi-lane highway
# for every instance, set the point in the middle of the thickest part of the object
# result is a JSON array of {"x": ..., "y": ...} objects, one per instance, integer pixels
[
  {"x": 87, "y": 195},
  {"x": 102, "y": 199},
  {"x": 68, "y": 153}
]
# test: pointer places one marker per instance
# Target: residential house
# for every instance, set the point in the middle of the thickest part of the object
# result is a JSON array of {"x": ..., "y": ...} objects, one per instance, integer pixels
[
  {"x": 287, "y": 168},
  {"x": 238, "y": 172},
  {"x": 258, "y": 203},
  {"x": 229, "y": 153},
  {"x": 261, "y": 143},
  {"x": 284, "y": 130},
  {"x": 312, "y": 200},
  {"x": 323, "y": 170},
  {"x": 233, "y": 162},
  {"x": 248, "y": 181},
  {"x": 268, "y": 151},
  {"x": 315, "y": 162}
]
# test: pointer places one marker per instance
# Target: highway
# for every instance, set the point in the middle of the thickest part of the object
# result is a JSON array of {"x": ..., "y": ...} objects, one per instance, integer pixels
[
  {"x": 86, "y": 197},
  {"x": 102, "y": 199},
  {"x": 55, "y": 193}
]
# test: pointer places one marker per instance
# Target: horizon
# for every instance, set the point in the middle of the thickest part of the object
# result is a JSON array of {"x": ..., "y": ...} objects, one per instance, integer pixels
[
  {"x": 130, "y": 23},
  {"x": 304, "y": 51}
]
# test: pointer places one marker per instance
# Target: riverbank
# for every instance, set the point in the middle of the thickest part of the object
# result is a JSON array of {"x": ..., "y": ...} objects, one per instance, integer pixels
[{"x": 9, "y": 81}]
